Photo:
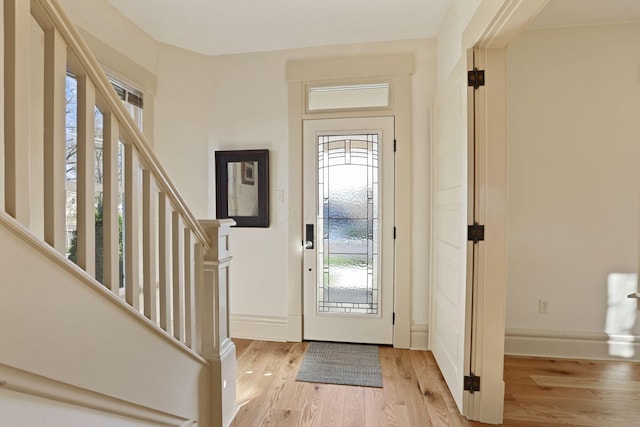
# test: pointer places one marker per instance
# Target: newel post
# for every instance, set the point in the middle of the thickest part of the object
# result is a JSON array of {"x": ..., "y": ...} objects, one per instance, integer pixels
[{"x": 217, "y": 347}]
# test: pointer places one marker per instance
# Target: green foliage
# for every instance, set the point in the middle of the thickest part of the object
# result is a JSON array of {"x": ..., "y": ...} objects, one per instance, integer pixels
[
  {"x": 99, "y": 240},
  {"x": 99, "y": 232},
  {"x": 73, "y": 249}
]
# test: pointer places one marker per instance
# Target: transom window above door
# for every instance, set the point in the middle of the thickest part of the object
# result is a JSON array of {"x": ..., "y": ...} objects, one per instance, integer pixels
[{"x": 347, "y": 97}]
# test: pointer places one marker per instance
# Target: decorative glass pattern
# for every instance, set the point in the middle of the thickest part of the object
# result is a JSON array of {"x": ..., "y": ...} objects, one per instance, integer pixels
[{"x": 348, "y": 241}]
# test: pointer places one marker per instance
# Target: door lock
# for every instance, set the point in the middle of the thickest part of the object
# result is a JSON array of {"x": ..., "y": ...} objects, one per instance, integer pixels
[{"x": 309, "y": 239}]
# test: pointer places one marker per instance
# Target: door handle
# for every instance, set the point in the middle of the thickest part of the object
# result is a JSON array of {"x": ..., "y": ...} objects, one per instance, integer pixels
[
  {"x": 308, "y": 239},
  {"x": 635, "y": 295}
]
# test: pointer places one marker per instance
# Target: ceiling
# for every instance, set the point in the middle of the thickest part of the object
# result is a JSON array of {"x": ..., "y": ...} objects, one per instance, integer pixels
[{"x": 219, "y": 27}]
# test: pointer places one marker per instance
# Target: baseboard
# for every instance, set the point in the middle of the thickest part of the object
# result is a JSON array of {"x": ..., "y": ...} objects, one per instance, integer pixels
[
  {"x": 263, "y": 328},
  {"x": 419, "y": 336},
  {"x": 571, "y": 344}
]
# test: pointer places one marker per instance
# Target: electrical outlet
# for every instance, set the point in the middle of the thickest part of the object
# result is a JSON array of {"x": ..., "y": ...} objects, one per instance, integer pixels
[{"x": 543, "y": 306}]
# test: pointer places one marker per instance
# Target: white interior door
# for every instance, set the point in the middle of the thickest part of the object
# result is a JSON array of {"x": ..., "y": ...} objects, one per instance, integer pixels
[
  {"x": 469, "y": 277},
  {"x": 448, "y": 329},
  {"x": 349, "y": 229}
]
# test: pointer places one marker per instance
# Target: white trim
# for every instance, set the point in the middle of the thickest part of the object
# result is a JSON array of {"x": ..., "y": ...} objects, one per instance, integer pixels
[
  {"x": 486, "y": 289},
  {"x": 355, "y": 67},
  {"x": 35, "y": 385},
  {"x": 419, "y": 336},
  {"x": 223, "y": 368},
  {"x": 264, "y": 328},
  {"x": 568, "y": 344}
]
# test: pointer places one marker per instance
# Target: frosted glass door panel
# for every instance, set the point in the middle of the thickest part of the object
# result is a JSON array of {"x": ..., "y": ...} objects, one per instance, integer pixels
[{"x": 347, "y": 220}]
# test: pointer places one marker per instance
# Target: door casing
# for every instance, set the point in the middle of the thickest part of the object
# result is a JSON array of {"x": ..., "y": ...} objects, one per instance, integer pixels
[{"x": 397, "y": 70}]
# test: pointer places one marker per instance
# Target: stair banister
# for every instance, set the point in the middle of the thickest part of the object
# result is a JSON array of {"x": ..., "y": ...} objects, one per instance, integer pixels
[{"x": 169, "y": 255}]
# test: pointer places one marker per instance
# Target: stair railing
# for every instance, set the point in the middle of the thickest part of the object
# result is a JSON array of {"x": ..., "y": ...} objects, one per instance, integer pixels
[{"x": 163, "y": 247}]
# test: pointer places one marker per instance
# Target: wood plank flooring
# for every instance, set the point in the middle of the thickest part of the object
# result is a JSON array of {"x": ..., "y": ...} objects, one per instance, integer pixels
[{"x": 539, "y": 392}]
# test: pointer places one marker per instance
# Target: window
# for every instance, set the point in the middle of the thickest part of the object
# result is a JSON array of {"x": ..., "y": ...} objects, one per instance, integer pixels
[
  {"x": 133, "y": 102},
  {"x": 132, "y": 99},
  {"x": 375, "y": 95}
]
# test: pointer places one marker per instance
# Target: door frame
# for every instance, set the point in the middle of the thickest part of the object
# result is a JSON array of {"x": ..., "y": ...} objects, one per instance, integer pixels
[
  {"x": 495, "y": 24},
  {"x": 397, "y": 70}
]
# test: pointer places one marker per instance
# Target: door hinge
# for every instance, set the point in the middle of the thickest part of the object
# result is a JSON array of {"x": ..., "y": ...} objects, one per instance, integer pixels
[
  {"x": 393, "y": 318},
  {"x": 394, "y": 233},
  {"x": 395, "y": 146},
  {"x": 475, "y": 233},
  {"x": 471, "y": 383},
  {"x": 475, "y": 78}
]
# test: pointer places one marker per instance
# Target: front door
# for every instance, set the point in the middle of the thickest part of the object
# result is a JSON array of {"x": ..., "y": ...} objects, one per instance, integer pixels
[{"x": 349, "y": 229}]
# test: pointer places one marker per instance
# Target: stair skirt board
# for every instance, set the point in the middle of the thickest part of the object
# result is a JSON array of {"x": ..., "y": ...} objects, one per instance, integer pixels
[
  {"x": 60, "y": 314},
  {"x": 30, "y": 399}
]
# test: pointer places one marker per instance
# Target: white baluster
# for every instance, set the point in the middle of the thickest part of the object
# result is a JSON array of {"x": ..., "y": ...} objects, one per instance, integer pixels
[
  {"x": 86, "y": 175},
  {"x": 55, "y": 71},
  {"x": 198, "y": 276},
  {"x": 177, "y": 244},
  {"x": 149, "y": 238},
  {"x": 189, "y": 290},
  {"x": 164, "y": 262},
  {"x": 110, "y": 204},
  {"x": 131, "y": 226},
  {"x": 17, "y": 28}
]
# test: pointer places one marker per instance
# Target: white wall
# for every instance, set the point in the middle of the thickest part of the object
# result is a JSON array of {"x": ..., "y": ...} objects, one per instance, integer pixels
[
  {"x": 246, "y": 107},
  {"x": 573, "y": 183},
  {"x": 106, "y": 23},
  {"x": 450, "y": 49},
  {"x": 181, "y": 129}
]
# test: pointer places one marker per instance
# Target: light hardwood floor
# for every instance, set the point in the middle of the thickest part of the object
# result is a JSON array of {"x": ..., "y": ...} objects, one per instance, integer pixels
[{"x": 539, "y": 392}]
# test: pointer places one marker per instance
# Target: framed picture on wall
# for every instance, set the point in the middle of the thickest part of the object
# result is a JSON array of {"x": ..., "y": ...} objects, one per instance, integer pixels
[{"x": 248, "y": 173}]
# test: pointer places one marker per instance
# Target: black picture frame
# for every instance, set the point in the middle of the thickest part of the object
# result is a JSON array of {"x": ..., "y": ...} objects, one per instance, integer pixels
[
  {"x": 248, "y": 160},
  {"x": 248, "y": 177}
]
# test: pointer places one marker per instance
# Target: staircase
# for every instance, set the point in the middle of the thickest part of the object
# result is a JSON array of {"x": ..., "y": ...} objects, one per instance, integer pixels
[{"x": 137, "y": 335}]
